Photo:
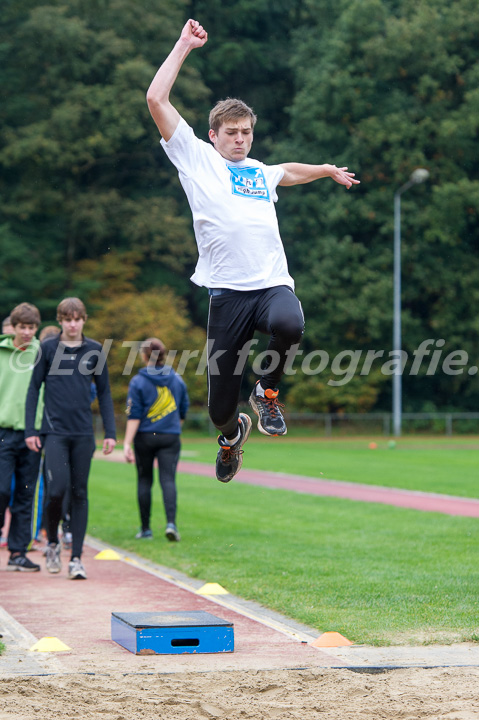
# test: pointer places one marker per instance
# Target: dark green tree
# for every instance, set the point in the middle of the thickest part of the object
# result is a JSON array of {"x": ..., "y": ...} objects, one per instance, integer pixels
[
  {"x": 247, "y": 56},
  {"x": 81, "y": 169},
  {"x": 385, "y": 88}
]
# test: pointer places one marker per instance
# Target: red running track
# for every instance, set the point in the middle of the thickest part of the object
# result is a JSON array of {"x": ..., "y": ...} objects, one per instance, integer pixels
[{"x": 429, "y": 502}]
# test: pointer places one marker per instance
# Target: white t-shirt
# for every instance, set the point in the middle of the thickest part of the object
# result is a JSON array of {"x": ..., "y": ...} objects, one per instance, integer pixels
[{"x": 234, "y": 218}]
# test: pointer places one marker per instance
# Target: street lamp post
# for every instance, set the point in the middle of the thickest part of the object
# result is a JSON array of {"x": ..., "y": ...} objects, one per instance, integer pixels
[{"x": 418, "y": 176}]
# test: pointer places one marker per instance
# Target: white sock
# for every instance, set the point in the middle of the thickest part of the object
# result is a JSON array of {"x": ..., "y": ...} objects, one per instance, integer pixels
[
  {"x": 259, "y": 390},
  {"x": 234, "y": 440}
]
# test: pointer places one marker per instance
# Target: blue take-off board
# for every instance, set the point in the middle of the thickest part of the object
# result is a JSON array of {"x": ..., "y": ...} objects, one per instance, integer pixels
[{"x": 171, "y": 633}]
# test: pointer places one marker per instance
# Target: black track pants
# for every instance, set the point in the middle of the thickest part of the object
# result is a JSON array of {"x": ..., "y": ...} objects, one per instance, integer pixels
[
  {"x": 16, "y": 458},
  {"x": 67, "y": 464},
  {"x": 165, "y": 447},
  {"x": 233, "y": 319}
]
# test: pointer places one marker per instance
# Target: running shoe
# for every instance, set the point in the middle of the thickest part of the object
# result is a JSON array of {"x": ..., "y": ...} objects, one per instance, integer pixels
[
  {"x": 230, "y": 457},
  {"x": 76, "y": 571},
  {"x": 53, "y": 558},
  {"x": 268, "y": 410},
  {"x": 23, "y": 564},
  {"x": 172, "y": 533},
  {"x": 144, "y": 535}
]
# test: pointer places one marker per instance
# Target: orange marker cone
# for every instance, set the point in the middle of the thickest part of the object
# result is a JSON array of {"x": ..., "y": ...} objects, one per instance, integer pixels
[{"x": 331, "y": 639}]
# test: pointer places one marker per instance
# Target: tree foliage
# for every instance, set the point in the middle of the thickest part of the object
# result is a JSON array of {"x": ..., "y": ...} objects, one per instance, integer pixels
[
  {"x": 131, "y": 317},
  {"x": 385, "y": 88},
  {"x": 122, "y": 317},
  {"x": 90, "y": 205},
  {"x": 82, "y": 171}
]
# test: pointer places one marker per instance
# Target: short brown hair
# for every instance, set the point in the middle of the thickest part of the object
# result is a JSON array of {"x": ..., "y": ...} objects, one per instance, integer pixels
[
  {"x": 48, "y": 331},
  {"x": 26, "y": 314},
  {"x": 153, "y": 349},
  {"x": 230, "y": 109},
  {"x": 69, "y": 307}
]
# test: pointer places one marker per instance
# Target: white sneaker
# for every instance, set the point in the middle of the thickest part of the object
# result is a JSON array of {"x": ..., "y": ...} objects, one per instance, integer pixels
[
  {"x": 76, "y": 571},
  {"x": 53, "y": 559}
]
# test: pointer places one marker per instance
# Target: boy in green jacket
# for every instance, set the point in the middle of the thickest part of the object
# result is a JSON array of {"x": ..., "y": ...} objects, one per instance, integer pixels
[{"x": 17, "y": 357}]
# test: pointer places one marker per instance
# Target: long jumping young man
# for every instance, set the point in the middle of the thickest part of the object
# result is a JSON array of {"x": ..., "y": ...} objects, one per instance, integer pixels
[
  {"x": 241, "y": 255},
  {"x": 67, "y": 364}
]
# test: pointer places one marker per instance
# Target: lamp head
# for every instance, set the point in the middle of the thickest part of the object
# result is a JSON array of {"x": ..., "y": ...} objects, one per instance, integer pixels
[{"x": 419, "y": 175}]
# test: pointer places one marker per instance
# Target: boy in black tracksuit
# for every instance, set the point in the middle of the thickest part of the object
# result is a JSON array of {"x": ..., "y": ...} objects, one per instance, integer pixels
[{"x": 67, "y": 364}]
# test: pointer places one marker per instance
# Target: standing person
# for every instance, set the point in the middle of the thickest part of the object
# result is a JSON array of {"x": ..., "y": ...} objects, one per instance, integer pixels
[
  {"x": 156, "y": 407},
  {"x": 66, "y": 365},
  {"x": 7, "y": 327},
  {"x": 46, "y": 332},
  {"x": 241, "y": 255},
  {"x": 38, "y": 501},
  {"x": 17, "y": 357}
]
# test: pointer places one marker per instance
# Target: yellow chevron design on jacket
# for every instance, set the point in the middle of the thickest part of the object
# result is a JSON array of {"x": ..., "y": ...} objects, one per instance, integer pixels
[{"x": 163, "y": 405}]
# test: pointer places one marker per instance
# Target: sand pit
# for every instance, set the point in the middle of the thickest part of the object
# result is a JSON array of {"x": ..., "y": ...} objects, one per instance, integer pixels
[{"x": 450, "y": 693}]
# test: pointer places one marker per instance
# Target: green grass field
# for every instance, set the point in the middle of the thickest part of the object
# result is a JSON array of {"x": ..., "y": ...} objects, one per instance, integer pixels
[
  {"x": 440, "y": 465},
  {"x": 377, "y": 574}
]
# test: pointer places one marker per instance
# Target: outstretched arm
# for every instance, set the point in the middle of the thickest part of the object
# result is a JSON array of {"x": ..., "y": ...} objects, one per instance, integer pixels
[
  {"x": 164, "y": 114},
  {"x": 299, "y": 173}
]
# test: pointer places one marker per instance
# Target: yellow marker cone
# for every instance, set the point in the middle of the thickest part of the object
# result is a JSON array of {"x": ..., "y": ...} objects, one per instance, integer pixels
[
  {"x": 50, "y": 644},
  {"x": 331, "y": 639},
  {"x": 108, "y": 555},
  {"x": 212, "y": 589}
]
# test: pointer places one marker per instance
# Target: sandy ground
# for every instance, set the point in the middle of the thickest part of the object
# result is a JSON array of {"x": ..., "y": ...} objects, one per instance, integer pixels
[{"x": 451, "y": 693}]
